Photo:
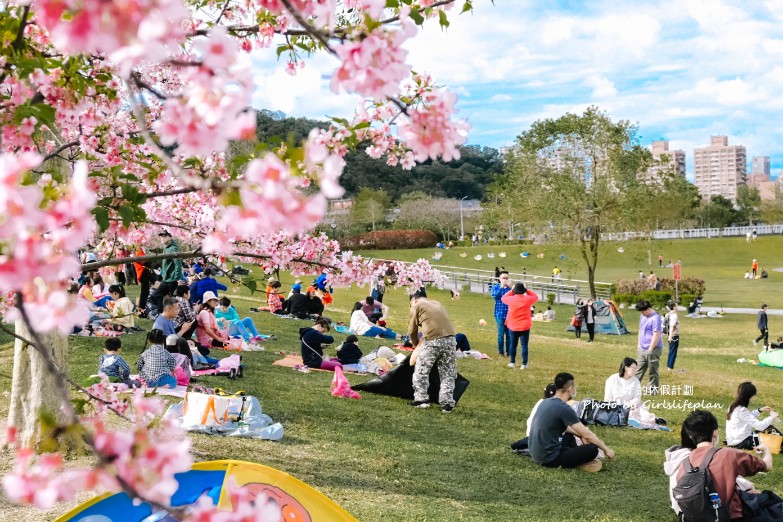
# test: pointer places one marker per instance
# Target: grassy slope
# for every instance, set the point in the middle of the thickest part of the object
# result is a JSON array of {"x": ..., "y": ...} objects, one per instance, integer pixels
[
  {"x": 720, "y": 262},
  {"x": 382, "y": 460}
]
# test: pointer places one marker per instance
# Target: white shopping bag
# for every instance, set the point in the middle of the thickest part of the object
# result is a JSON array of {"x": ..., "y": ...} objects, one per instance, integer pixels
[{"x": 201, "y": 409}]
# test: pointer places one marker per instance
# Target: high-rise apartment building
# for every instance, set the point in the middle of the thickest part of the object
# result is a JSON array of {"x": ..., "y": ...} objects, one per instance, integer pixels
[
  {"x": 759, "y": 170},
  {"x": 719, "y": 168},
  {"x": 665, "y": 161}
]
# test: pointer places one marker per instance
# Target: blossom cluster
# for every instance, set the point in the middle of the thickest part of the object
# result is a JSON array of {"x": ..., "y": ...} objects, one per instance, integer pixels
[{"x": 38, "y": 240}]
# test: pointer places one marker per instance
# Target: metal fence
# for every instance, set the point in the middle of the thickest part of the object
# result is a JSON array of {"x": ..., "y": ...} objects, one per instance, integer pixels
[
  {"x": 688, "y": 233},
  {"x": 566, "y": 291}
]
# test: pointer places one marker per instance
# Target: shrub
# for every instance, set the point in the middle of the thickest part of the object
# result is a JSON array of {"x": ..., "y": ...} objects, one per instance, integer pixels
[
  {"x": 626, "y": 299},
  {"x": 550, "y": 298},
  {"x": 688, "y": 285},
  {"x": 685, "y": 299},
  {"x": 391, "y": 239},
  {"x": 658, "y": 299}
]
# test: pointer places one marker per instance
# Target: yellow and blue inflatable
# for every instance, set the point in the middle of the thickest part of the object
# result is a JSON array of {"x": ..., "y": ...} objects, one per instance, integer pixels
[{"x": 298, "y": 502}]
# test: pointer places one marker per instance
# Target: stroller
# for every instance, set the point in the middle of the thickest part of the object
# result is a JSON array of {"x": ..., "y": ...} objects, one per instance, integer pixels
[{"x": 693, "y": 306}]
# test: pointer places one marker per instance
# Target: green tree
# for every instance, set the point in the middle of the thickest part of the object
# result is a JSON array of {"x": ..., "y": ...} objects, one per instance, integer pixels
[
  {"x": 748, "y": 204},
  {"x": 772, "y": 210},
  {"x": 571, "y": 176},
  {"x": 440, "y": 215},
  {"x": 719, "y": 212},
  {"x": 370, "y": 207}
]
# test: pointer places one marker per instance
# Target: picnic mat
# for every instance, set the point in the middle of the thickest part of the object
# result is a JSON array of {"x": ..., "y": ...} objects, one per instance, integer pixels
[{"x": 292, "y": 361}]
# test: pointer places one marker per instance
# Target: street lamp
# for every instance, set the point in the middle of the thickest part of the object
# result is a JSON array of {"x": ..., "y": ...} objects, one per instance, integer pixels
[{"x": 461, "y": 221}]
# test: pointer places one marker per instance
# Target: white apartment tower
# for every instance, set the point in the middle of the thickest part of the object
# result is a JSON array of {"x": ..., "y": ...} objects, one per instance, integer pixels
[
  {"x": 665, "y": 161},
  {"x": 719, "y": 168}
]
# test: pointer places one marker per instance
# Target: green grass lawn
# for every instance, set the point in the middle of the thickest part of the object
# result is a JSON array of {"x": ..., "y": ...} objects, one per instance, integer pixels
[
  {"x": 720, "y": 262},
  {"x": 383, "y": 460}
]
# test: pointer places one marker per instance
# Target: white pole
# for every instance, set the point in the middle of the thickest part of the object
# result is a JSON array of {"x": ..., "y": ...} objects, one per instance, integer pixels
[{"x": 461, "y": 221}]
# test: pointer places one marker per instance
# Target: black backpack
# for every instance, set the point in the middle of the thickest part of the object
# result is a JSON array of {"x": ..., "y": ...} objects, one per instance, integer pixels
[{"x": 693, "y": 492}]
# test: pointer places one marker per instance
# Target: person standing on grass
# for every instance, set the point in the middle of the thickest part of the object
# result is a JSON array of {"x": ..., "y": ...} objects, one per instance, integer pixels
[
  {"x": 170, "y": 272},
  {"x": 552, "y": 435},
  {"x": 650, "y": 344},
  {"x": 437, "y": 347},
  {"x": 763, "y": 327},
  {"x": 578, "y": 318},
  {"x": 501, "y": 312},
  {"x": 672, "y": 330},
  {"x": 660, "y": 260},
  {"x": 519, "y": 320},
  {"x": 754, "y": 267},
  {"x": 588, "y": 312}
]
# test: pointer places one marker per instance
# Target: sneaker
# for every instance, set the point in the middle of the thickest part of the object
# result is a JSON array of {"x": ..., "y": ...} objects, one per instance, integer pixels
[
  {"x": 594, "y": 466},
  {"x": 511, "y": 365},
  {"x": 404, "y": 338},
  {"x": 419, "y": 404},
  {"x": 755, "y": 343},
  {"x": 523, "y": 367},
  {"x": 447, "y": 409},
  {"x": 255, "y": 310}
]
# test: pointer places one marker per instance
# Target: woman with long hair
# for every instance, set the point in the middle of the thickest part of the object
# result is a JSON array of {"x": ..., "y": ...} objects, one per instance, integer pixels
[
  {"x": 625, "y": 388},
  {"x": 742, "y": 421},
  {"x": 360, "y": 325},
  {"x": 207, "y": 331}
]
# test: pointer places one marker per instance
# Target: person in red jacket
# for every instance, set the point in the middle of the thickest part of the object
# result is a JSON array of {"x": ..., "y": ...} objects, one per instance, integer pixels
[{"x": 519, "y": 320}]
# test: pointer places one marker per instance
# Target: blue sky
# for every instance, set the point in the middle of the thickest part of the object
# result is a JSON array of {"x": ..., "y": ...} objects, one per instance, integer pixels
[{"x": 683, "y": 70}]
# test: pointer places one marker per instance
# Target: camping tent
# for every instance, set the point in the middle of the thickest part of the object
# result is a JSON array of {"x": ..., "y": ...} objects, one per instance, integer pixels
[
  {"x": 398, "y": 382},
  {"x": 297, "y": 501},
  {"x": 608, "y": 319}
]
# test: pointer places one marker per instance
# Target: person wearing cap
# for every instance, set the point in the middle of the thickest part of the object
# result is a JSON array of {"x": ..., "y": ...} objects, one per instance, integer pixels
[
  {"x": 297, "y": 304},
  {"x": 183, "y": 370},
  {"x": 438, "y": 346},
  {"x": 519, "y": 320},
  {"x": 650, "y": 344},
  {"x": 763, "y": 326},
  {"x": 207, "y": 331}
]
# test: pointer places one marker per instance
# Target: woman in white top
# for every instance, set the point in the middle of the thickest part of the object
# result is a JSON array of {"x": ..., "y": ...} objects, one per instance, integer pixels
[
  {"x": 742, "y": 422},
  {"x": 625, "y": 388},
  {"x": 361, "y": 325}
]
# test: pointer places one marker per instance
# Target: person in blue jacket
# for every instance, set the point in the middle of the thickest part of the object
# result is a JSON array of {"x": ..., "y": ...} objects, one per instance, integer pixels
[
  {"x": 500, "y": 289},
  {"x": 206, "y": 284}
]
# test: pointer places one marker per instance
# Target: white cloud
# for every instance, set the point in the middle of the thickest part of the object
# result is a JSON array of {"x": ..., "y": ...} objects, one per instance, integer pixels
[
  {"x": 602, "y": 87},
  {"x": 501, "y": 98}
]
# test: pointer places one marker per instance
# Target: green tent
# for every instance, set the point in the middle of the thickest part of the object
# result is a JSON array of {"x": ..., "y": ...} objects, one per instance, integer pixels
[{"x": 608, "y": 319}]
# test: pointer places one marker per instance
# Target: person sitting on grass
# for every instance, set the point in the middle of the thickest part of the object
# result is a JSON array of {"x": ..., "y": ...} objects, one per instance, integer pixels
[
  {"x": 122, "y": 314},
  {"x": 623, "y": 387},
  {"x": 207, "y": 331},
  {"x": 226, "y": 315},
  {"x": 312, "y": 340},
  {"x": 186, "y": 314},
  {"x": 360, "y": 325},
  {"x": 85, "y": 291},
  {"x": 522, "y": 445},
  {"x": 552, "y": 439},
  {"x": 315, "y": 306},
  {"x": 184, "y": 369},
  {"x": 743, "y": 422},
  {"x": 156, "y": 365},
  {"x": 112, "y": 365},
  {"x": 375, "y": 310},
  {"x": 726, "y": 465},
  {"x": 349, "y": 352},
  {"x": 297, "y": 303},
  {"x": 273, "y": 300}
]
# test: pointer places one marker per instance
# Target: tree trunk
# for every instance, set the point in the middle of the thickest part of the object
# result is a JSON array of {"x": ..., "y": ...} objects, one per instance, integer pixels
[
  {"x": 33, "y": 388},
  {"x": 649, "y": 249}
]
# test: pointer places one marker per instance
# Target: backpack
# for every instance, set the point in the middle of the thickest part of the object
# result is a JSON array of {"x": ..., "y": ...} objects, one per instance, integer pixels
[{"x": 694, "y": 493}]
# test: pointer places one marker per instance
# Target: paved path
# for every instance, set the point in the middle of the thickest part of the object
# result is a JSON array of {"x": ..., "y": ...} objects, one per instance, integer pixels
[{"x": 752, "y": 311}]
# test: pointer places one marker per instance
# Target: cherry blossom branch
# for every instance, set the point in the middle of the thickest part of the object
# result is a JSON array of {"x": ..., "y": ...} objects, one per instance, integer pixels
[
  {"x": 136, "y": 77},
  {"x": 159, "y": 223},
  {"x": 419, "y": 10},
  {"x": 60, "y": 149},
  {"x": 172, "y": 192},
  {"x": 140, "y": 259},
  {"x": 315, "y": 33},
  {"x": 222, "y": 12},
  {"x": 295, "y": 260}
]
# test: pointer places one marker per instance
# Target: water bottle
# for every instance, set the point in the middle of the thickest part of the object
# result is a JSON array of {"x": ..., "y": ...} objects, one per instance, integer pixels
[{"x": 715, "y": 500}]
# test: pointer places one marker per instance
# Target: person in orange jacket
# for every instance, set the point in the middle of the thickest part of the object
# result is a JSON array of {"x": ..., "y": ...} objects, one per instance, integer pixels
[
  {"x": 519, "y": 320},
  {"x": 144, "y": 276}
]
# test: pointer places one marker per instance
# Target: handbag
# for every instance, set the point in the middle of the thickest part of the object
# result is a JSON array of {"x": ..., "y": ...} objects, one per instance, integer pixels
[
  {"x": 602, "y": 413},
  {"x": 576, "y": 323}
]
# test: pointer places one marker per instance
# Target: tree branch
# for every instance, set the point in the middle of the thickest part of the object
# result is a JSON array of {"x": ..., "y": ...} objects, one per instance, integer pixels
[
  {"x": 315, "y": 33},
  {"x": 420, "y": 10},
  {"x": 172, "y": 192},
  {"x": 140, "y": 259}
]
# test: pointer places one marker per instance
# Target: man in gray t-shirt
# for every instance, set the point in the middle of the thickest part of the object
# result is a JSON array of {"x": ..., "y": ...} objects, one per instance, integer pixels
[{"x": 552, "y": 434}]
